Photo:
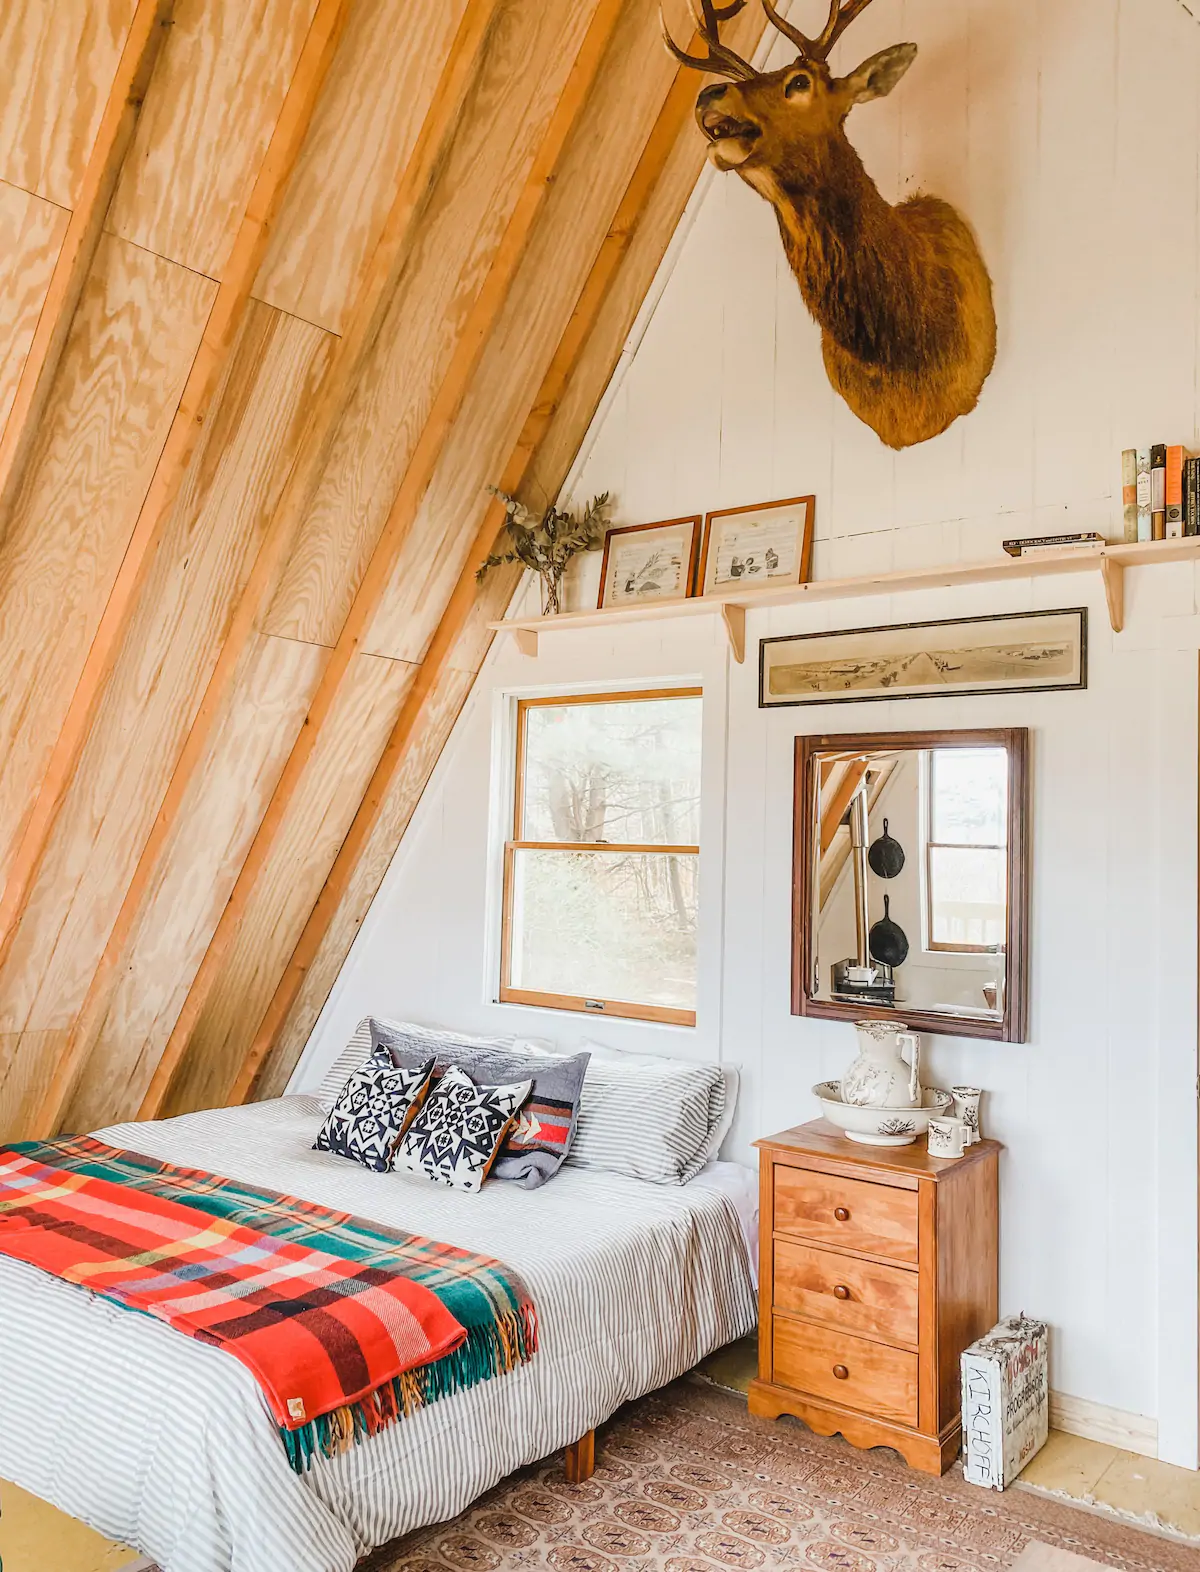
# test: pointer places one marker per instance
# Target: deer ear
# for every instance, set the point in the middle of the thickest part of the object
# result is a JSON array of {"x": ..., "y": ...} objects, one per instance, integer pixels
[{"x": 876, "y": 77}]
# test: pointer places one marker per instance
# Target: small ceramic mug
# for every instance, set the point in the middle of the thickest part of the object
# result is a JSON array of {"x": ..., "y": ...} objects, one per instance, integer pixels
[
  {"x": 947, "y": 1138},
  {"x": 966, "y": 1108}
]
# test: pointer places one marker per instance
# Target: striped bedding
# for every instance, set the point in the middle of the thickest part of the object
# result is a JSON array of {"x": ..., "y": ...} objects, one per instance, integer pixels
[{"x": 167, "y": 1445}]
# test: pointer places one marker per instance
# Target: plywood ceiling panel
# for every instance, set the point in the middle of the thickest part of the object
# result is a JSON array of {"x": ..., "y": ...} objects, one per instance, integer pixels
[
  {"x": 59, "y": 57},
  {"x": 531, "y": 50},
  {"x": 316, "y": 823},
  {"x": 220, "y": 818},
  {"x": 199, "y": 570},
  {"x": 31, "y": 233},
  {"x": 364, "y": 132},
  {"x": 123, "y": 370},
  {"x": 476, "y": 197},
  {"x": 209, "y": 114}
]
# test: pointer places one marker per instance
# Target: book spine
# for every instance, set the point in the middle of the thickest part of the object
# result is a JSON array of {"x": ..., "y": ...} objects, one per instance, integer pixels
[
  {"x": 1129, "y": 492},
  {"x": 1173, "y": 492},
  {"x": 1158, "y": 491},
  {"x": 1143, "y": 493},
  {"x": 1191, "y": 500}
]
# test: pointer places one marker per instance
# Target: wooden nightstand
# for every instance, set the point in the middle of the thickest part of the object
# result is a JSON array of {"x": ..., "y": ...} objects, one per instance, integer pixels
[{"x": 878, "y": 1266}]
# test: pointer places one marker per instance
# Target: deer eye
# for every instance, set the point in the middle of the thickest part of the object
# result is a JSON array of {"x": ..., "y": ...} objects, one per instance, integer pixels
[{"x": 800, "y": 83}]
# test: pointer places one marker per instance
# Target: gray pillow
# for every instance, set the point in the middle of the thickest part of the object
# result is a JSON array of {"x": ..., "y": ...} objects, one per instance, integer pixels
[{"x": 542, "y": 1133}]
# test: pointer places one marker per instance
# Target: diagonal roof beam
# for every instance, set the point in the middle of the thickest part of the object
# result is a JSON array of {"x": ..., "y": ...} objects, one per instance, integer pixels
[
  {"x": 674, "y": 115},
  {"x": 485, "y": 312},
  {"x": 113, "y": 138},
  {"x": 208, "y": 367},
  {"x": 374, "y": 294}
]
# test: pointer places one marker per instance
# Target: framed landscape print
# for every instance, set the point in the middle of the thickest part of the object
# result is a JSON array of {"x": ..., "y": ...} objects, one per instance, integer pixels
[
  {"x": 755, "y": 547},
  {"x": 1017, "y": 652},
  {"x": 644, "y": 562}
]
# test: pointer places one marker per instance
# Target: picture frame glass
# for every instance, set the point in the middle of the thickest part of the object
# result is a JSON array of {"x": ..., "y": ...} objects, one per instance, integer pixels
[
  {"x": 1010, "y": 653},
  {"x": 648, "y": 562},
  {"x": 757, "y": 547}
]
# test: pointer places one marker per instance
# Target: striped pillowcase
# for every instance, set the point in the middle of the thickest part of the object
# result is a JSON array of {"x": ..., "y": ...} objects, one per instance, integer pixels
[
  {"x": 649, "y": 1119},
  {"x": 438, "y": 1044}
]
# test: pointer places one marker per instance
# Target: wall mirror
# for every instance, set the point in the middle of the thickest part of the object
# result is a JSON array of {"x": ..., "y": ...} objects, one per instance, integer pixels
[{"x": 911, "y": 880}]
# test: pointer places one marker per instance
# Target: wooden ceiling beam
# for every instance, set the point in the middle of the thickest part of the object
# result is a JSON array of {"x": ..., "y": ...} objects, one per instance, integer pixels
[
  {"x": 471, "y": 341},
  {"x": 843, "y": 795},
  {"x": 208, "y": 367},
  {"x": 336, "y": 388},
  {"x": 143, "y": 42},
  {"x": 674, "y": 115}
]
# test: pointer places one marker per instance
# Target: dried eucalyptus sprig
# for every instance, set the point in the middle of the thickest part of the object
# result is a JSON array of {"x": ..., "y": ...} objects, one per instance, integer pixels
[{"x": 547, "y": 545}]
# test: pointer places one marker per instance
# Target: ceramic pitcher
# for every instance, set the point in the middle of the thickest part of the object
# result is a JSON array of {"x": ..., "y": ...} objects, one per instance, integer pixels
[{"x": 881, "y": 1077}]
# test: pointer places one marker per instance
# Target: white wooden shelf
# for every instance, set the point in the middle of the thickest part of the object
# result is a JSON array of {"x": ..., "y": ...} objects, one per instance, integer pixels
[{"x": 1110, "y": 560}]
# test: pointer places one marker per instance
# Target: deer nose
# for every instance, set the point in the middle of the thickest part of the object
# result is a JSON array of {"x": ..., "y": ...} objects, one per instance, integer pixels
[{"x": 709, "y": 95}]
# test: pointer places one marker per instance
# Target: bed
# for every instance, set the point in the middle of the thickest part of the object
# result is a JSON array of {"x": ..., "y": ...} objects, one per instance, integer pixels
[{"x": 166, "y": 1444}]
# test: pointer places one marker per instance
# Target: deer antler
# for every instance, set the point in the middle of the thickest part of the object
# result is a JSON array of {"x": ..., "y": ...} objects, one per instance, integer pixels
[
  {"x": 720, "y": 60},
  {"x": 840, "y": 17}
]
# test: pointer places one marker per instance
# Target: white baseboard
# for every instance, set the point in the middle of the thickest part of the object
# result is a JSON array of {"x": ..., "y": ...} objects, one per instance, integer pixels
[{"x": 1079, "y": 1417}]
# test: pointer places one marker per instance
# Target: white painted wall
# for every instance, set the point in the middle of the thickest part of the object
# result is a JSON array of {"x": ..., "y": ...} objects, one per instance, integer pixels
[{"x": 1067, "y": 131}]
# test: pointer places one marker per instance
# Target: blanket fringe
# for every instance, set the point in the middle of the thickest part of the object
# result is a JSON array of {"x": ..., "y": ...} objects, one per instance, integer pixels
[{"x": 488, "y": 1351}]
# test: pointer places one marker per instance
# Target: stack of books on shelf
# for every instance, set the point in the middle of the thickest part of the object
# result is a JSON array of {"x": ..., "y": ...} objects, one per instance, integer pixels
[{"x": 1160, "y": 492}]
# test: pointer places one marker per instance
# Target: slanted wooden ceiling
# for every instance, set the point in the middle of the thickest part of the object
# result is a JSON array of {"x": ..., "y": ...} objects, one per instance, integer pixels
[{"x": 284, "y": 285}]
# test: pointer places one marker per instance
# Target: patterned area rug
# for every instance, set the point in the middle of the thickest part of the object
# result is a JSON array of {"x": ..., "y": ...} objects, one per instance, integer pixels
[{"x": 687, "y": 1481}]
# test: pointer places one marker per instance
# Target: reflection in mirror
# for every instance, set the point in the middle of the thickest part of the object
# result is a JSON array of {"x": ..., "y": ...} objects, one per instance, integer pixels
[{"x": 910, "y": 877}]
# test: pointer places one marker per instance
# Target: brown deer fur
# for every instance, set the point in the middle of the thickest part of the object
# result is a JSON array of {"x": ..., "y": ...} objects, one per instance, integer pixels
[{"x": 902, "y": 294}]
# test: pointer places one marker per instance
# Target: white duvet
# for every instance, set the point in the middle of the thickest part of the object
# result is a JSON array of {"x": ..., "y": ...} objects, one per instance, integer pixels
[{"x": 166, "y": 1444}]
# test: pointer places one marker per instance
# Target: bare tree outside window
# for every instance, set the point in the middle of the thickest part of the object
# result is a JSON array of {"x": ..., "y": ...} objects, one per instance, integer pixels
[{"x": 601, "y": 887}]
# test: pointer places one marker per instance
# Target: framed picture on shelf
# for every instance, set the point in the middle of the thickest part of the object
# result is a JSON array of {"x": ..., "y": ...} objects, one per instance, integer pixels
[
  {"x": 1012, "y": 652},
  {"x": 757, "y": 547},
  {"x": 646, "y": 562}
]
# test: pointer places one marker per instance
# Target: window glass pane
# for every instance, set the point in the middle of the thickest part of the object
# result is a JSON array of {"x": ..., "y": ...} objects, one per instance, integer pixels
[
  {"x": 605, "y": 925},
  {"x": 969, "y": 796},
  {"x": 967, "y": 895},
  {"x": 626, "y": 771}
]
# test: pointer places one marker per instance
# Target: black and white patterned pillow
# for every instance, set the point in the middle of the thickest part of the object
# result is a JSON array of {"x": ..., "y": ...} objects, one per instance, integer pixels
[
  {"x": 459, "y": 1130},
  {"x": 373, "y": 1110}
]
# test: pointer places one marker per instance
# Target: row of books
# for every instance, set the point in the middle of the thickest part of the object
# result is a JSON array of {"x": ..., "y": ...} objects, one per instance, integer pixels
[{"x": 1160, "y": 492}]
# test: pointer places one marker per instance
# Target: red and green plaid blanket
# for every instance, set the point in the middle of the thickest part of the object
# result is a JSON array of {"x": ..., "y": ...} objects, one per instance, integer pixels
[{"x": 345, "y": 1323}]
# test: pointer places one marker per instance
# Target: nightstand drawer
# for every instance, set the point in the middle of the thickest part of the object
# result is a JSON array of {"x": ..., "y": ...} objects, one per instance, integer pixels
[
  {"x": 856, "y": 1296},
  {"x": 852, "y": 1214},
  {"x": 847, "y": 1370}
]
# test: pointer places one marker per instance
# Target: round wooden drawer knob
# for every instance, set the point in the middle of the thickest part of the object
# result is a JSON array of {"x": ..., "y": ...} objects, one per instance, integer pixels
[
  {"x": 841, "y": 1372},
  {"x": 841, "y": 1291},
  {"x": 842, "y": 1214}
]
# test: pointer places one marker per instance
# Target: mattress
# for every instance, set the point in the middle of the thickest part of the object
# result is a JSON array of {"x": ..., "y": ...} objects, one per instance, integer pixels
[{"x": 166, "y": 1444}]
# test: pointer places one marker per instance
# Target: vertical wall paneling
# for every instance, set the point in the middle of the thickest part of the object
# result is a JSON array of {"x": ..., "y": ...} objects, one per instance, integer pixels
[{"x": 1045, "y": 123}]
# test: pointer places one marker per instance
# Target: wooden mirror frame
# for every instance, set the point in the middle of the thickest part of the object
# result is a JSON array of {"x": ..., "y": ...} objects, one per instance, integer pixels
[{"x": 1013, "y": 1025}]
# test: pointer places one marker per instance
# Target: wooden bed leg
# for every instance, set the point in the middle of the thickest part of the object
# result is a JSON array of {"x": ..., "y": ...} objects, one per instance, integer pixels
[{"x": 581, "y": 1459}]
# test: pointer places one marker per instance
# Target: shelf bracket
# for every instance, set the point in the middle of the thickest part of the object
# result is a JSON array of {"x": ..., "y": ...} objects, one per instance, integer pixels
[
  {"x": 1113, "y": 574},
  {"x": 734, "y": 618},
  {"x": 526, "y": 640}
]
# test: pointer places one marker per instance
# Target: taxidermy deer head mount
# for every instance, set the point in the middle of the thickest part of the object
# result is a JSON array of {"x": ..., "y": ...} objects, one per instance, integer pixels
[{"x": 901, "y": 294}]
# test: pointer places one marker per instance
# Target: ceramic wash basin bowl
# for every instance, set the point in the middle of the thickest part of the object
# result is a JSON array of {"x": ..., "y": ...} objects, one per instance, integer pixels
[{"x": 881, "y": 1126}]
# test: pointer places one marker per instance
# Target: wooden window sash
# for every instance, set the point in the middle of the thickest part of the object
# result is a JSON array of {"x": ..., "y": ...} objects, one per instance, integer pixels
[{"x": 624, "y": 1009}]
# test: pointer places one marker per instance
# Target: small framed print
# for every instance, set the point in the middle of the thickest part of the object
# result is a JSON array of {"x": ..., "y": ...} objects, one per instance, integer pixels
[
  {"x": 756, "y": 547},
  {"x": 647, "y": 562}
]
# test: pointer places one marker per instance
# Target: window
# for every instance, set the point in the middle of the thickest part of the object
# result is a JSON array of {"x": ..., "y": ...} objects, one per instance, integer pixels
[
  {"x": 600, "y": 877},
  {"x": 966, "y": 869}
]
